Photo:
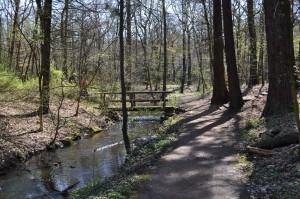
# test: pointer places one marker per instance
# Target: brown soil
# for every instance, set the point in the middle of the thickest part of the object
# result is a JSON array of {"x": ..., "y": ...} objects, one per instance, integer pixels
[
  {"x": 210, "y": 160},
  {"x": 20, "y": 137}
]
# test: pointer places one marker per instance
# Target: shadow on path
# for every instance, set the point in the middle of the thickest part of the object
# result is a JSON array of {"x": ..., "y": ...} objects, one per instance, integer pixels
[{"x": 202, "y": 161}]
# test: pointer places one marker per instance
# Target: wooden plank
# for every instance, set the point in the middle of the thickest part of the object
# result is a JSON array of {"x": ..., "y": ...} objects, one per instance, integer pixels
[
  {"x": 138, "y": 108},
  {"x": 138, "y": 100},
  {"x": 136, "y": 92}
]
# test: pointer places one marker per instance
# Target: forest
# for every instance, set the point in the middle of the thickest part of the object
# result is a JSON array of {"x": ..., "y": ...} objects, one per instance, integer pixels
[{"x": 73, "y": 70}]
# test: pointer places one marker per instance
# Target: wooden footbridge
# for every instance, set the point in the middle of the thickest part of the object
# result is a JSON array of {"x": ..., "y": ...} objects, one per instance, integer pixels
[{"x": 139, "y": 100}]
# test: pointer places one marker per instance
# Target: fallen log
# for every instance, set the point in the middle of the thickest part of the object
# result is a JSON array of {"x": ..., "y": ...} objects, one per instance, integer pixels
[
  {"x": 65, "y": 192},
  {"x": 294, "y": 148},
  {"x": 259, "y": 151},
  {"x": 279, "y": 140}
]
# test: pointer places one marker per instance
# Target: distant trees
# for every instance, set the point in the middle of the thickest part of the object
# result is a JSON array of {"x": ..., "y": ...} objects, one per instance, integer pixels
[{"x": 87, "y": 43}]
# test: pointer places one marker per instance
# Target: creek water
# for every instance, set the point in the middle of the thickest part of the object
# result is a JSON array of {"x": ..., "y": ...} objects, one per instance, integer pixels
[{"x": 49, "y": 173}]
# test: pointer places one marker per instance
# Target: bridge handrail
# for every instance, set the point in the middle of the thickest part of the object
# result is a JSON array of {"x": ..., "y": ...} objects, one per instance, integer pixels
[
  {"x": 135, "y": 92},
  {"x": 132, "y": 95}
]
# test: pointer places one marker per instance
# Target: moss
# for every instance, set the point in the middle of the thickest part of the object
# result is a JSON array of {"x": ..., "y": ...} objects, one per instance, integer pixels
[
  {"x": 75, "y": 136},
  {"x": 67, "y": 141},
  {"x": 96, "y": 129}
]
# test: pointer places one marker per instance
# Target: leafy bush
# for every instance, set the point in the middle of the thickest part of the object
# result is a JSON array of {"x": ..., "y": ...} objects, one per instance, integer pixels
[{"x": 11, "y": 85}]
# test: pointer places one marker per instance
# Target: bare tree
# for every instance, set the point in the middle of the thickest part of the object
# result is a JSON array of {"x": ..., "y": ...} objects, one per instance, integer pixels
[{"x": 122, "y": 77}]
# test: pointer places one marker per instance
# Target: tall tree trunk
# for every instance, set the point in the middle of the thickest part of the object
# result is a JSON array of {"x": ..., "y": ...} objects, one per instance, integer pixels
[
  {"x": 14, "y": 32},
  {"x": 261, "y": 49},
  {"x": 1, "y": 39},
  {"x": 45, "y": 26},
  {"x": 201, "y": 78},
  {"x": 184, "y": 26},
  {"x": 189, "y": 58},
  {"x": 261, "y": 63},
  {"x": 238, "y": 39},
  {"x": 18, "y": 51},
  {"x": 220, "y": 92},
  {"x": 210, "y": 43},
  {"x": 122, "y": 77},
  {"x": 64, "y": 35},
  {"x": 165, "y": 55},
  {"x": 280, "y": 58},
  {"x": 128, "y": 40},
  {"x": 173, "y": 65},
  {"x": 298, "y": 57},
  {"x": 252, "y": 47},
  {"x": 235, "y": 95}
]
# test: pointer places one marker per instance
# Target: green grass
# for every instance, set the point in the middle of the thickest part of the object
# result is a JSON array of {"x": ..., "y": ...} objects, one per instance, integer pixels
[{"x": 250, "y": 124}]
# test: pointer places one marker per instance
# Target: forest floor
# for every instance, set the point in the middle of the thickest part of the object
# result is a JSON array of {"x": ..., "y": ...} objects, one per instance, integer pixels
[
  {"x": 20, "y": 137},
  {"x": 210, "y": 158}
]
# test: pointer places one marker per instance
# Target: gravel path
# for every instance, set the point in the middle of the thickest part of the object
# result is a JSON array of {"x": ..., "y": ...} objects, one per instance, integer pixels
[{"x": 202, "y": 162}]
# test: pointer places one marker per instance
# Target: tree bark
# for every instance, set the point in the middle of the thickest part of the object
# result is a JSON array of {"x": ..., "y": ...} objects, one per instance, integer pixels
[
  {"x": 64, "y": 35},
  {"x": 261, "y": 50},
  {"x": 220, "y": 93},
  {"x": 45, "y": 26},
  {"x": 184, "y": 25},
  {"x": 235, "y": 95},
  {"x": 128, "y": 39},
  {"x": 13, "y": 39},
  {"x": 122, "y": 77},
  {"x": 210, "y": 43},
  {"x": 189, "y": 58},
  {"x": 280, "y": 58},
  {"x": 173, "y": 65},
  {"x": 1, "y": 42},
  {"x": 165, "y": 55},
  {"x": 252, "y": 47}
]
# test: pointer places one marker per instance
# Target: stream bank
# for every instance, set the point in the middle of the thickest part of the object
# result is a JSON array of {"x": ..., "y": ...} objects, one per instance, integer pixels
[
  {"x": 53, "y": 174},
  {"x": 144, "y": 154},
  {"x": 20, "y": 138}
]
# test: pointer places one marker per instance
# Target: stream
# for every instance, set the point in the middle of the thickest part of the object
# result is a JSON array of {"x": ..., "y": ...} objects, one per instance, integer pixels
[{"x": 49, "y": 173}]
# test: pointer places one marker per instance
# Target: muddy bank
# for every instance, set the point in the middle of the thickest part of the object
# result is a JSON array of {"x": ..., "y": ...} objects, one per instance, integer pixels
[{"x": 20, "y": 137}]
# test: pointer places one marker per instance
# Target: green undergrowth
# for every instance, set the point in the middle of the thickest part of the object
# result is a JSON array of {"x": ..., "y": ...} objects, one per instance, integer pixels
[
  {"x": 253, "y": 123},
  {"x": 134, "y": 171},
  {"x": 250, "y": 131},
  {"x": 10, "y": 83}
]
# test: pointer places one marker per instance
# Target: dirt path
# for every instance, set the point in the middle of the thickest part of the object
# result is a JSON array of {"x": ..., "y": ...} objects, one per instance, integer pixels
[{"x": 202, "y": 163}]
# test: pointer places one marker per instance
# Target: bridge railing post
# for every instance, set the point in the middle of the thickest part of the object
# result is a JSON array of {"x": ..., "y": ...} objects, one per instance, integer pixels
[{"x": 132, "y": 99}]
